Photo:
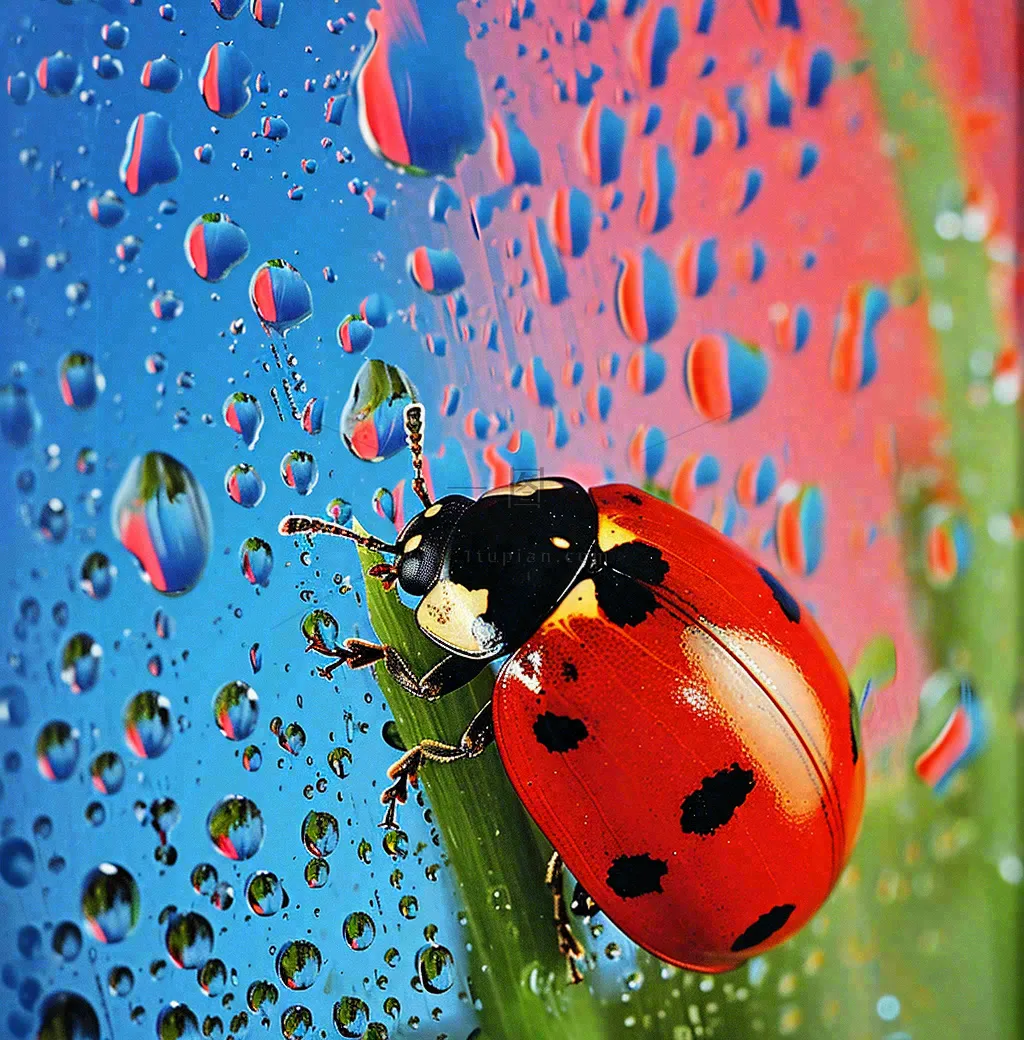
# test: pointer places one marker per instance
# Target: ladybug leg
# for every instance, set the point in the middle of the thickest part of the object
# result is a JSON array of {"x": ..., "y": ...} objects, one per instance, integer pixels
[
  {"x": 478, "y": 736},
  {"x": 448, "y": 674},
  {"x": 568, "y": 945}
]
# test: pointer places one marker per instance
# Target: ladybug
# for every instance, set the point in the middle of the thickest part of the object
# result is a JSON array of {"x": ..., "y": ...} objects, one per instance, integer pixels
[{"x": 670, "y": 715}]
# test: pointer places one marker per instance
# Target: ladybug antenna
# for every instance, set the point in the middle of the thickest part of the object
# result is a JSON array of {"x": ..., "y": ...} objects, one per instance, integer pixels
[
  {"x": 414, "y": 436},
  {"x": 311, "y": 525}
]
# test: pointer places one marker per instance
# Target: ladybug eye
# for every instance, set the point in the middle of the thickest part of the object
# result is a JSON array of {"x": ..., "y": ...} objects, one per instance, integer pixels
[{"x": 412, "y": 544}]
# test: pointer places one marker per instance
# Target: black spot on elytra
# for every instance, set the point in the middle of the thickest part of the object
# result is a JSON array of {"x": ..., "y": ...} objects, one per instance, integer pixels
[
  {"x": 854, "y": 727},
  {"x": 570, "y": 673},
  {"x": 632, "y": 876},
  {"x": 764, "y": 927},
  {"x": 559, "y": 732},
  {"x": 623, "y": 600},
  {"x": 581, "y": 904},
  {"x": 635, "y": 499},
  {"x": 637, "y": 560},
  {"x": 713, "y": 803},
  {"x": 785, "y": 600}
]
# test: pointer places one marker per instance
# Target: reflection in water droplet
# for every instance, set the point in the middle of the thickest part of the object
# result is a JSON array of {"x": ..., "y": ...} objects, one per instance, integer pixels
[
  {"x": 236, "y": 709},
  {"x": 243, "y": 413},
  {"x": 160, "y": 514},
  {"x": 435, "y": 967},
  {"x": 296, "y": 1022},
  {"x": 177, "y": 1022},
  {"x": 57, "y": 750},
  {"x": 189, "y": 940},
  {"x": 372, "y": 420},
  {"x": 80, "y": 662},
  {"x": 110, "y": 902},
  {"x": 96, "y": 576},
  {"x": 259, "y": 993},
  {"x": 264, "y": 893},
  {"x": 351, "y": 1017},
  {"x": 235, "y": 826},
  {"x": 299, "y": 963},
  {"x": 299, "y": 471},
  {"x": 359, "y": 930},
  {"x": 120, "y": 981},
  {"x": 67, "y": 1016},
  {"x": 147, "y": 724},
  {"x": 244, "y": 485},
  {"x": 107, "y": 772},
  {"x": 317, "y": 873},
  {"x": 320, "y": 833},
  {"x": 212, "y": 977},
  {"x": 256, "y": 559}
]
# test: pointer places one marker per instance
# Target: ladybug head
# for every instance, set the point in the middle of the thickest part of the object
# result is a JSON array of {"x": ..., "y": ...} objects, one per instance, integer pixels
[{"x": 422, "y": 544}]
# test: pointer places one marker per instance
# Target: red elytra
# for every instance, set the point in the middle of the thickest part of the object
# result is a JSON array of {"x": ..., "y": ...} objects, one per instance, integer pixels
[{"x": 700, "y": 772}]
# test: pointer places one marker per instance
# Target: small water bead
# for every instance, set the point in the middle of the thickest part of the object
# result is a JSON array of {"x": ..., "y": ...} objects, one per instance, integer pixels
[
  {"x": 298, "y": 964},
  {"x": 320, "y": 628},
  {"x": 396, "y": 844},
  {"x": 203, "y": 878},
  {"x": 339, "y": 511},
  {"x": 351, "y": 1017},
  {"x": 364, "y": 850},
  {"x": 148, "y": 729},
  {"x": 299, "y": 471},
  {"x": 292, "y": 738},
  {"x": 317, "y": 872},
  {"x": 252, "y": 758},
  {"x": 223, "y": 897},
  {"x": 235, "y": 826},
  {"x": 296, "y": 1022},
  {"x": 29, "y": 942},
  {"x": 236, "y": 710},
  {"x": 67, "y": 1016},
  {"x": 244, "y": 485},
  {"x": 243, "y": 413},
  {"x": 264, "y": 893},
  {"x": 376, "y": 1031},
  {"x": 96, "y": 575},
  {"x": 409, "y": 907},
  {"x": 256, "y": 559},
  {"x": 163, "y": 624},
  {"x": 155, "y": 363},
  {"x": 54, "y": 521},
  {"x": 189, "y": 940},
  {"x": 42, "y": 828},
  {"x": 57, "y": 748},
  {"x": 85, "y": 461},
  {"x": 107, "y": 772},
  {"x": 177, "y": 1022},
  {"x": 212, "y": 977},
  {"x": 66, "y": 941},
  {"x": 95, "y": 814},
  {"x": 80, "y": 380},
  {"x": 110, "y": 902},
  {"x": 80, "y": 662},
  {"x": 359, "y": 930},
  {"x": 120, "y": 981},
  {"x": 17, "y": 862},
  {"x": 160, "y": 514},
  {"x": 320, "y": 833},
  {"x": 435, "y": 967},
  {"x": 260, "y": 993},
  {"x": 392, "y": 1007}
]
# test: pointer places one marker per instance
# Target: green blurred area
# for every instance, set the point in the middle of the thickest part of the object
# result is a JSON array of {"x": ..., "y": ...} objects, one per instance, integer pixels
[{"x": 922, "y": 938}]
